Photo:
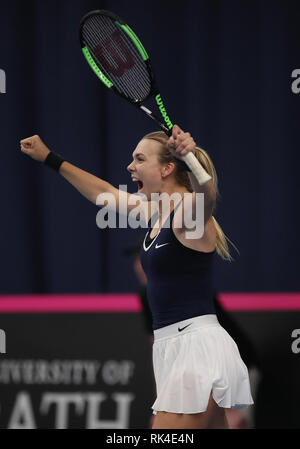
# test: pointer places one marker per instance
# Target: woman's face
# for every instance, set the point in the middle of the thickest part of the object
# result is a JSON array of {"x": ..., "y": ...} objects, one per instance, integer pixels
[{"x": 145, "y": 168}]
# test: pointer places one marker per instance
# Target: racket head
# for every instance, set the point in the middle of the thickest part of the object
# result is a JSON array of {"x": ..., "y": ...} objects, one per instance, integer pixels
[{"x": 117, "y": 56}]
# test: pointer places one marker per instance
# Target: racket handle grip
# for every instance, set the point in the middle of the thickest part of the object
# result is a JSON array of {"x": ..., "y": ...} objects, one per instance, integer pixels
[{"x": 196, "y": 168}]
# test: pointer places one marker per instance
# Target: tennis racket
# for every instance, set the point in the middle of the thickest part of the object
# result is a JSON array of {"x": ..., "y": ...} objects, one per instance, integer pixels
[{"x": 118, "y": 58}]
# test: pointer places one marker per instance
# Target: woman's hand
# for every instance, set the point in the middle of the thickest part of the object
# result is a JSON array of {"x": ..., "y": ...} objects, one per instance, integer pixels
[
  {"x": 35, "y": 148},
  {"x": 180, "y": 143}
]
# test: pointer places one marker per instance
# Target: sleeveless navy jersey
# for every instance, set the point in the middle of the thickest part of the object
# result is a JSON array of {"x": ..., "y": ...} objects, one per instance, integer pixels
[{"x": 179, "y": 279}]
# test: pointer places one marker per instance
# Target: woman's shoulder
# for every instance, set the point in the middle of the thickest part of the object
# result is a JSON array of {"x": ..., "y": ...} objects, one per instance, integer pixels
[{"x": 206, "y": 242}]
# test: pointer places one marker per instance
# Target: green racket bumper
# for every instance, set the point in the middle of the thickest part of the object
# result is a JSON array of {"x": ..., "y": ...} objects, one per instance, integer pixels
[
  {"x": 135, "y": 40},
  {"x": 95, "y": 68}
]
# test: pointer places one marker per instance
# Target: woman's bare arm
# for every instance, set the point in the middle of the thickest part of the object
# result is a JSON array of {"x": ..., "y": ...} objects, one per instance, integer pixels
[
  {"x": 85, "y": 183},
  {"x": 181, "y": 143}
]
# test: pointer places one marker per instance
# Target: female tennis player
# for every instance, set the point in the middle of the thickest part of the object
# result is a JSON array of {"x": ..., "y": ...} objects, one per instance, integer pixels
[{"x": 197, "y": 366}]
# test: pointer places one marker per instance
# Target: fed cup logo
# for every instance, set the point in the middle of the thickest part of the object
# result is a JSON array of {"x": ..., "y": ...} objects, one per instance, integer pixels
[{"x": 2, "y": 82}]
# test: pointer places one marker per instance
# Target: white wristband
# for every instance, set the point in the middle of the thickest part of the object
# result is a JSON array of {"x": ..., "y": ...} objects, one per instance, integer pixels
[{"x": 196, "y": 168}]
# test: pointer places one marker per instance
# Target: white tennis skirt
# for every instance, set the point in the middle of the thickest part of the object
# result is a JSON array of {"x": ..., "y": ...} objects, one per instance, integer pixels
[{"x": 193, "y": 358}]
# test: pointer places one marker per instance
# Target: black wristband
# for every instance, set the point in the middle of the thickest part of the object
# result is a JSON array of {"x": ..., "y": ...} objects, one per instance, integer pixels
[{"x": 54, "y": 161}]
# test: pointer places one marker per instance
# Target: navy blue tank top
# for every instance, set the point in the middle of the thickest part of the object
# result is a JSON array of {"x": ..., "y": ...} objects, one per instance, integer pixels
[{"x": 179, "y": 279}]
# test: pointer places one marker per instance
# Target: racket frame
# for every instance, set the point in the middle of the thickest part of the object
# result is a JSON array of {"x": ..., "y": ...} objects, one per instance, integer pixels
[{"x": 166, "y": 125}]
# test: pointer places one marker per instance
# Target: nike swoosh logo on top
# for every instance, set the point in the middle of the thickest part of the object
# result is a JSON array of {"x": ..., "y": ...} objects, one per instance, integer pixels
[
  {"x": 179, "y": 330},
  {"x": 160, "y": 246}
]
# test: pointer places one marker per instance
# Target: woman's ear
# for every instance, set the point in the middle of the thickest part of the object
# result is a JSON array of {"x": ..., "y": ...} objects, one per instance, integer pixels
[{"x": 168, "y": 169}]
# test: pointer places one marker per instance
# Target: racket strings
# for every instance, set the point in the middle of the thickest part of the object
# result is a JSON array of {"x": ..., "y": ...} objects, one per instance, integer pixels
[
  {"x": 129, "y": 76},
  {"x": 117, "y": 57},
  {"x": 124, "y": 85}
]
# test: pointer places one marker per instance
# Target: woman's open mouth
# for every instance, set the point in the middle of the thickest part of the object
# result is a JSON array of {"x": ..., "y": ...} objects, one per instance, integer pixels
[{"x": 139, "y": 183}]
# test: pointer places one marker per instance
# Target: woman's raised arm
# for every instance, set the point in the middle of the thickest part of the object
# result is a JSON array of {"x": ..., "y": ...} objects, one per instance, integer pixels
[{"x": 87, "y": 184}]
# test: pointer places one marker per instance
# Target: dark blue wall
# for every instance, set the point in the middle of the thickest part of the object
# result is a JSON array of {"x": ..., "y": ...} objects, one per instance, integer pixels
[{"x": 224, "y": 68}]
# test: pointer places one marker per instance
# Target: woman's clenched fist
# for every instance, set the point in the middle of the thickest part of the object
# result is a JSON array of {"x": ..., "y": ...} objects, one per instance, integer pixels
[{"x": 35, "y": 148}]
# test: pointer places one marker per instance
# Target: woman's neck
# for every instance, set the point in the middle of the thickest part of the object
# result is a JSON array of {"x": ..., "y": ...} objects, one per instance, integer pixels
[{"x": 169, "y": 199}]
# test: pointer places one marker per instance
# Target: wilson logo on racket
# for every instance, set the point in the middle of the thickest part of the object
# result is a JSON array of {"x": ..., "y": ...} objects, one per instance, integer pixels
[
  {"x": 163, "y": 111},
  {"x": 117, "y": 63}
]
